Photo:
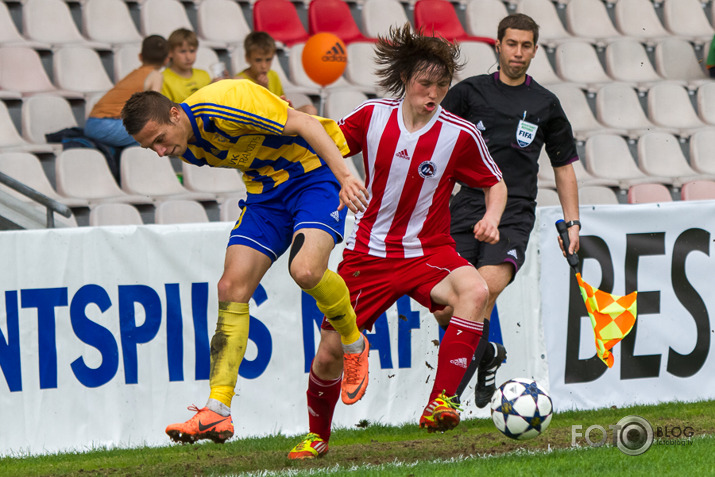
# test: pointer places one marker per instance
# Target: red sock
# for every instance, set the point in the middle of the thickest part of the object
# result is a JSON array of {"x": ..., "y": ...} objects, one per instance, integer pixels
[
  {"x": 455, "y": 353},
  {"x": 322, "y": 397}
]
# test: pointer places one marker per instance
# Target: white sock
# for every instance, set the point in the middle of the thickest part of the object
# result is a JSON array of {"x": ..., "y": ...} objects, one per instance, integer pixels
[
  {"x": 218, "y": 407},
  {"x": 356, "y": 347}
]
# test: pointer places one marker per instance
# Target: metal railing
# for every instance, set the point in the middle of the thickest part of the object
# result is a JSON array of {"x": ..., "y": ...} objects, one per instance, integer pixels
[{"x": 50, "y": 204}]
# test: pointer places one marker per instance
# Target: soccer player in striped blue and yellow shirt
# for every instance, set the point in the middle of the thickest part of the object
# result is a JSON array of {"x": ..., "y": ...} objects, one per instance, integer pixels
[{"x": 298, "y": 187}]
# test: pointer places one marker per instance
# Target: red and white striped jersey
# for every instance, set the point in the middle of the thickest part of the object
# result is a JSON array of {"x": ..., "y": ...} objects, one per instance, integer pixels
[{"x": 411, "y": 175}]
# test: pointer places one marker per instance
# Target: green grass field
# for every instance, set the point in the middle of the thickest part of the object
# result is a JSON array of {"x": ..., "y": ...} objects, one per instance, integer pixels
[{"x": 473, "y": 448}]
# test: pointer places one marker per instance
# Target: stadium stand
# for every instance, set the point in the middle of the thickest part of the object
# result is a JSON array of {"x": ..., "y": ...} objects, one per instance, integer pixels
[
  {"x": 617, "y": 106},
  {"x": 222, "y": 22},
  {"x": 589, "y": 20},
  {"x": 280, "y": 19},
  {"x": 608, "y": 156},
  {"x": 675, "y": 60},
  {"x": 9, "y": 34},
  {"x": 219, "y": 182},
  {"x": 542, "y": 71},
  {"x": 706, "y": 102},
  {"x": 179, "y": 211},
  {"x": 439, "y": 16},
  {"x": 698, "y": 190},
  {"x": 109, "y": 21},
  {"x": 648, "y": 193},
  {"x": 229, "y": 210},
  {"x": 50, "y": 21},
  {"x": 333, "y": 16},
  {"x": 22, "y": 71},
  {"x": 702, "y": 158},
  {"x": 594, "y": 195},
  {"x": 126, "y": 59},
  {"x": 659, "y": 154},
  {"x": 577, "y": 62},
  {"x": 379, "y": 15},
  {"x": 84, "y": 174},
  {"x": 80, "y": 69},
  {"x": 687, "y": 19},
  {"x": 669, "y": 106},
  {"x": 144, "y": 172},
  {"x": 577, "y": 109},
  {"x": 638, "y": 20},
  {"x": 360, "y": 69},
  {"x": 27, "y": 168},
  {"x": 114, "y": 214},
  {"x": 547, "y": 197},
  {"x": 340, "y": 103},
  {"x": 479, "y": 57},
  {"x": 627, "y": 61},
  {"x": 44, "y": 114},
  {"x": 482, "y": 16},
  {"x": 10, "y": 139},
  {"x": 552, "y": 31}
]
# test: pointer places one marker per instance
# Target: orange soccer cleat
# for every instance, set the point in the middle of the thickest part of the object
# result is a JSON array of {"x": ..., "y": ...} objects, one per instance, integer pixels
[
  {"x": 442, "y": 414},
  {"x": 206, "y": 424},
  {"x": 355, "y": 375}
]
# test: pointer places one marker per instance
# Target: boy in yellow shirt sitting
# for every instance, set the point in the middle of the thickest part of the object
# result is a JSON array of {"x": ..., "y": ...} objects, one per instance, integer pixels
[
  {"x": 181, "y": 79},
  {"x": 260, "y": 50}
]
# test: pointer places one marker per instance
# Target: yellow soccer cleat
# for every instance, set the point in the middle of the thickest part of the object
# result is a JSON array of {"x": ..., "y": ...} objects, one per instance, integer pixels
[
  {"x": 310, "y": 448},
  {"x": 442, "y": 414}
]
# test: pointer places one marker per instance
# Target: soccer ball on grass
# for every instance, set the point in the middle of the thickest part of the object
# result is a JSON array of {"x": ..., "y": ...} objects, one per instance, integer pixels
[{"x": 521, "y": 409}]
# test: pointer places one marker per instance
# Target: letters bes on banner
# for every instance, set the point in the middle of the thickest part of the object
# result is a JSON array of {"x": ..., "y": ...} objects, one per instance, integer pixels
[{"x": 659, "y": 251}]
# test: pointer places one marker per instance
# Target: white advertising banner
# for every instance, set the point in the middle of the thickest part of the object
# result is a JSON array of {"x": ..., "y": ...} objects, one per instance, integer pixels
[
  {"x": 104, "y": 340},
  {"x": 664, "y": 251}
]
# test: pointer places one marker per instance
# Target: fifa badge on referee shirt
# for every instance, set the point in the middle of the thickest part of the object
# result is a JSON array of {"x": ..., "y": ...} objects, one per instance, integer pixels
[{"x": 525, "y": 133}]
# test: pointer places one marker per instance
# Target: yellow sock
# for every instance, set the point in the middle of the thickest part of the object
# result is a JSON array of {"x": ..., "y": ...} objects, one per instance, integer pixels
[
  {"x": 228, "y": 346},
  {"x": 333, "y": 299}
]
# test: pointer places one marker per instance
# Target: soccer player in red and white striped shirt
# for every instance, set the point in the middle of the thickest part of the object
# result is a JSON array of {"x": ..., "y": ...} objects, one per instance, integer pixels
[{"x": 414, "y": 152}]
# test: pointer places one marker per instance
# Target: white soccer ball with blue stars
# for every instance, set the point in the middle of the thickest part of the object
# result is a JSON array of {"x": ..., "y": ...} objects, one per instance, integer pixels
[{"x": 521, "y": 409}]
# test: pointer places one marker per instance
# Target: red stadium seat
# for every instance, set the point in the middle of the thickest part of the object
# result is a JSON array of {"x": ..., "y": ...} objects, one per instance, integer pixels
[
  {"x": 333, "y": 16},
  {"x": 439, "y": 16},
  {"x": 279, "y": 19}
]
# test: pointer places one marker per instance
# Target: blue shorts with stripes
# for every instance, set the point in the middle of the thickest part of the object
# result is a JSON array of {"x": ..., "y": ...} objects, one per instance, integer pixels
[{"x": 309, "y": 201}]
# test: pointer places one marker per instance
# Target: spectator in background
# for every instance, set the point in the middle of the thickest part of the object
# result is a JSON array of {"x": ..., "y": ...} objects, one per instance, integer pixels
[
  {"x": 181, "y": 79},
  {"x": 104, "y": 124},
  {"x": 260, "y": 51}
]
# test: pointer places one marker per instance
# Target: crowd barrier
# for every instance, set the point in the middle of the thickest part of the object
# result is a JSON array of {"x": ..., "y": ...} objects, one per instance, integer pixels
[{"x": 104, "y": 332}]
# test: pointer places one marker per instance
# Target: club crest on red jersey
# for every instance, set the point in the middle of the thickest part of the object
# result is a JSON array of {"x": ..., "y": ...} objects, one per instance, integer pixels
[{"x": 427, "y": 169}]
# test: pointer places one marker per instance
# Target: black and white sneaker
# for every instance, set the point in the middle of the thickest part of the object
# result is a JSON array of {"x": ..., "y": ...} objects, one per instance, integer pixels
[{"x": 486, "y": 377}]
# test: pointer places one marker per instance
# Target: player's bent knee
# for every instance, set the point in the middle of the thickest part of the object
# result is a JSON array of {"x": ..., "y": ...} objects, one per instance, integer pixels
[
  {"x": 232, "y": 290},
  {"x": 328, "y": 363}
]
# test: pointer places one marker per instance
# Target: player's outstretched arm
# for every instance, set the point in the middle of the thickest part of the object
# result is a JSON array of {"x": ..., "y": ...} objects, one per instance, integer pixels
[
  {"x": 487, "y": 229},
  {"x": 353, "y": 193}
]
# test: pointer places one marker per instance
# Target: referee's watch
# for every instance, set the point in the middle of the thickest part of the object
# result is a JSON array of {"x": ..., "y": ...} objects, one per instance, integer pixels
[{"x": 571, "y": 223}]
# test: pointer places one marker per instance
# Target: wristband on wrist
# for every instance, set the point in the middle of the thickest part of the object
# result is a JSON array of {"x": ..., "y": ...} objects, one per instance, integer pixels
[{"x": 571, "y": 223}]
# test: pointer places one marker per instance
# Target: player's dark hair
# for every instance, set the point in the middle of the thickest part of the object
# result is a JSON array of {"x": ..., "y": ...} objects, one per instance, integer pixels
[
  {"x": 155, "y": 49},
  {"x": 259, "y": 41},
  {"x": 145, "y": 106},
  {"x": 403, "y": 53},
  {"x": 518, "y": 21}
]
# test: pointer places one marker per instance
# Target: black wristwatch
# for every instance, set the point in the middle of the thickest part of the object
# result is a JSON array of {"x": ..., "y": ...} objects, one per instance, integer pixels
[{"x": 571, "y": 223}]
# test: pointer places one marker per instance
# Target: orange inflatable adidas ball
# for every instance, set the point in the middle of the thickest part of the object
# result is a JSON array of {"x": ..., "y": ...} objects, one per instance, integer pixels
[{"x": 324, "y": 58}]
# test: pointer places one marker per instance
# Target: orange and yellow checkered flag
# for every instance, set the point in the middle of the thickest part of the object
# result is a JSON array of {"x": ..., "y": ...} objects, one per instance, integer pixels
[{"x": 612, "y": 317}]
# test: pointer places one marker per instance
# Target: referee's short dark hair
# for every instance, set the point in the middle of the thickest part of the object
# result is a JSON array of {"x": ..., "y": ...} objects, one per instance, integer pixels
[{"x": 518, "y": 21}]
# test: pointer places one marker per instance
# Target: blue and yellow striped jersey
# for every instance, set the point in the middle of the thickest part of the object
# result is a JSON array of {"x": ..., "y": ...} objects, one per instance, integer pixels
[{"x": 239, "y": 124}]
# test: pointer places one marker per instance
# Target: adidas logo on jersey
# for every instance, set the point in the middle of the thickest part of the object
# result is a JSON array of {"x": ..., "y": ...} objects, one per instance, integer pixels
[
  {"x": 403, "y": 155},
  {"x": 480, "y": 126},
  {"x": 336, "y": 215},
  {"x": 513, "y": 253},
  {"x": 336, "y": 53},
  {"x": 461, "y": 362}
]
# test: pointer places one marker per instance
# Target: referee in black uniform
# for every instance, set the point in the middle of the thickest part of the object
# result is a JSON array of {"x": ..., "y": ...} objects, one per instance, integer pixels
[{"x": 517, "y": 117}]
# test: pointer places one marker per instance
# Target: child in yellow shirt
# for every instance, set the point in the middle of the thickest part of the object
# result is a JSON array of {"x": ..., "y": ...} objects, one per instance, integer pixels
[{"x": 181, "y": 79}]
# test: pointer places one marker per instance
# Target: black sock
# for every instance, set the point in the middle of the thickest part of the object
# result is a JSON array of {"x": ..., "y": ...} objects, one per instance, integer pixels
[{"x": 489, "y": 349}]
